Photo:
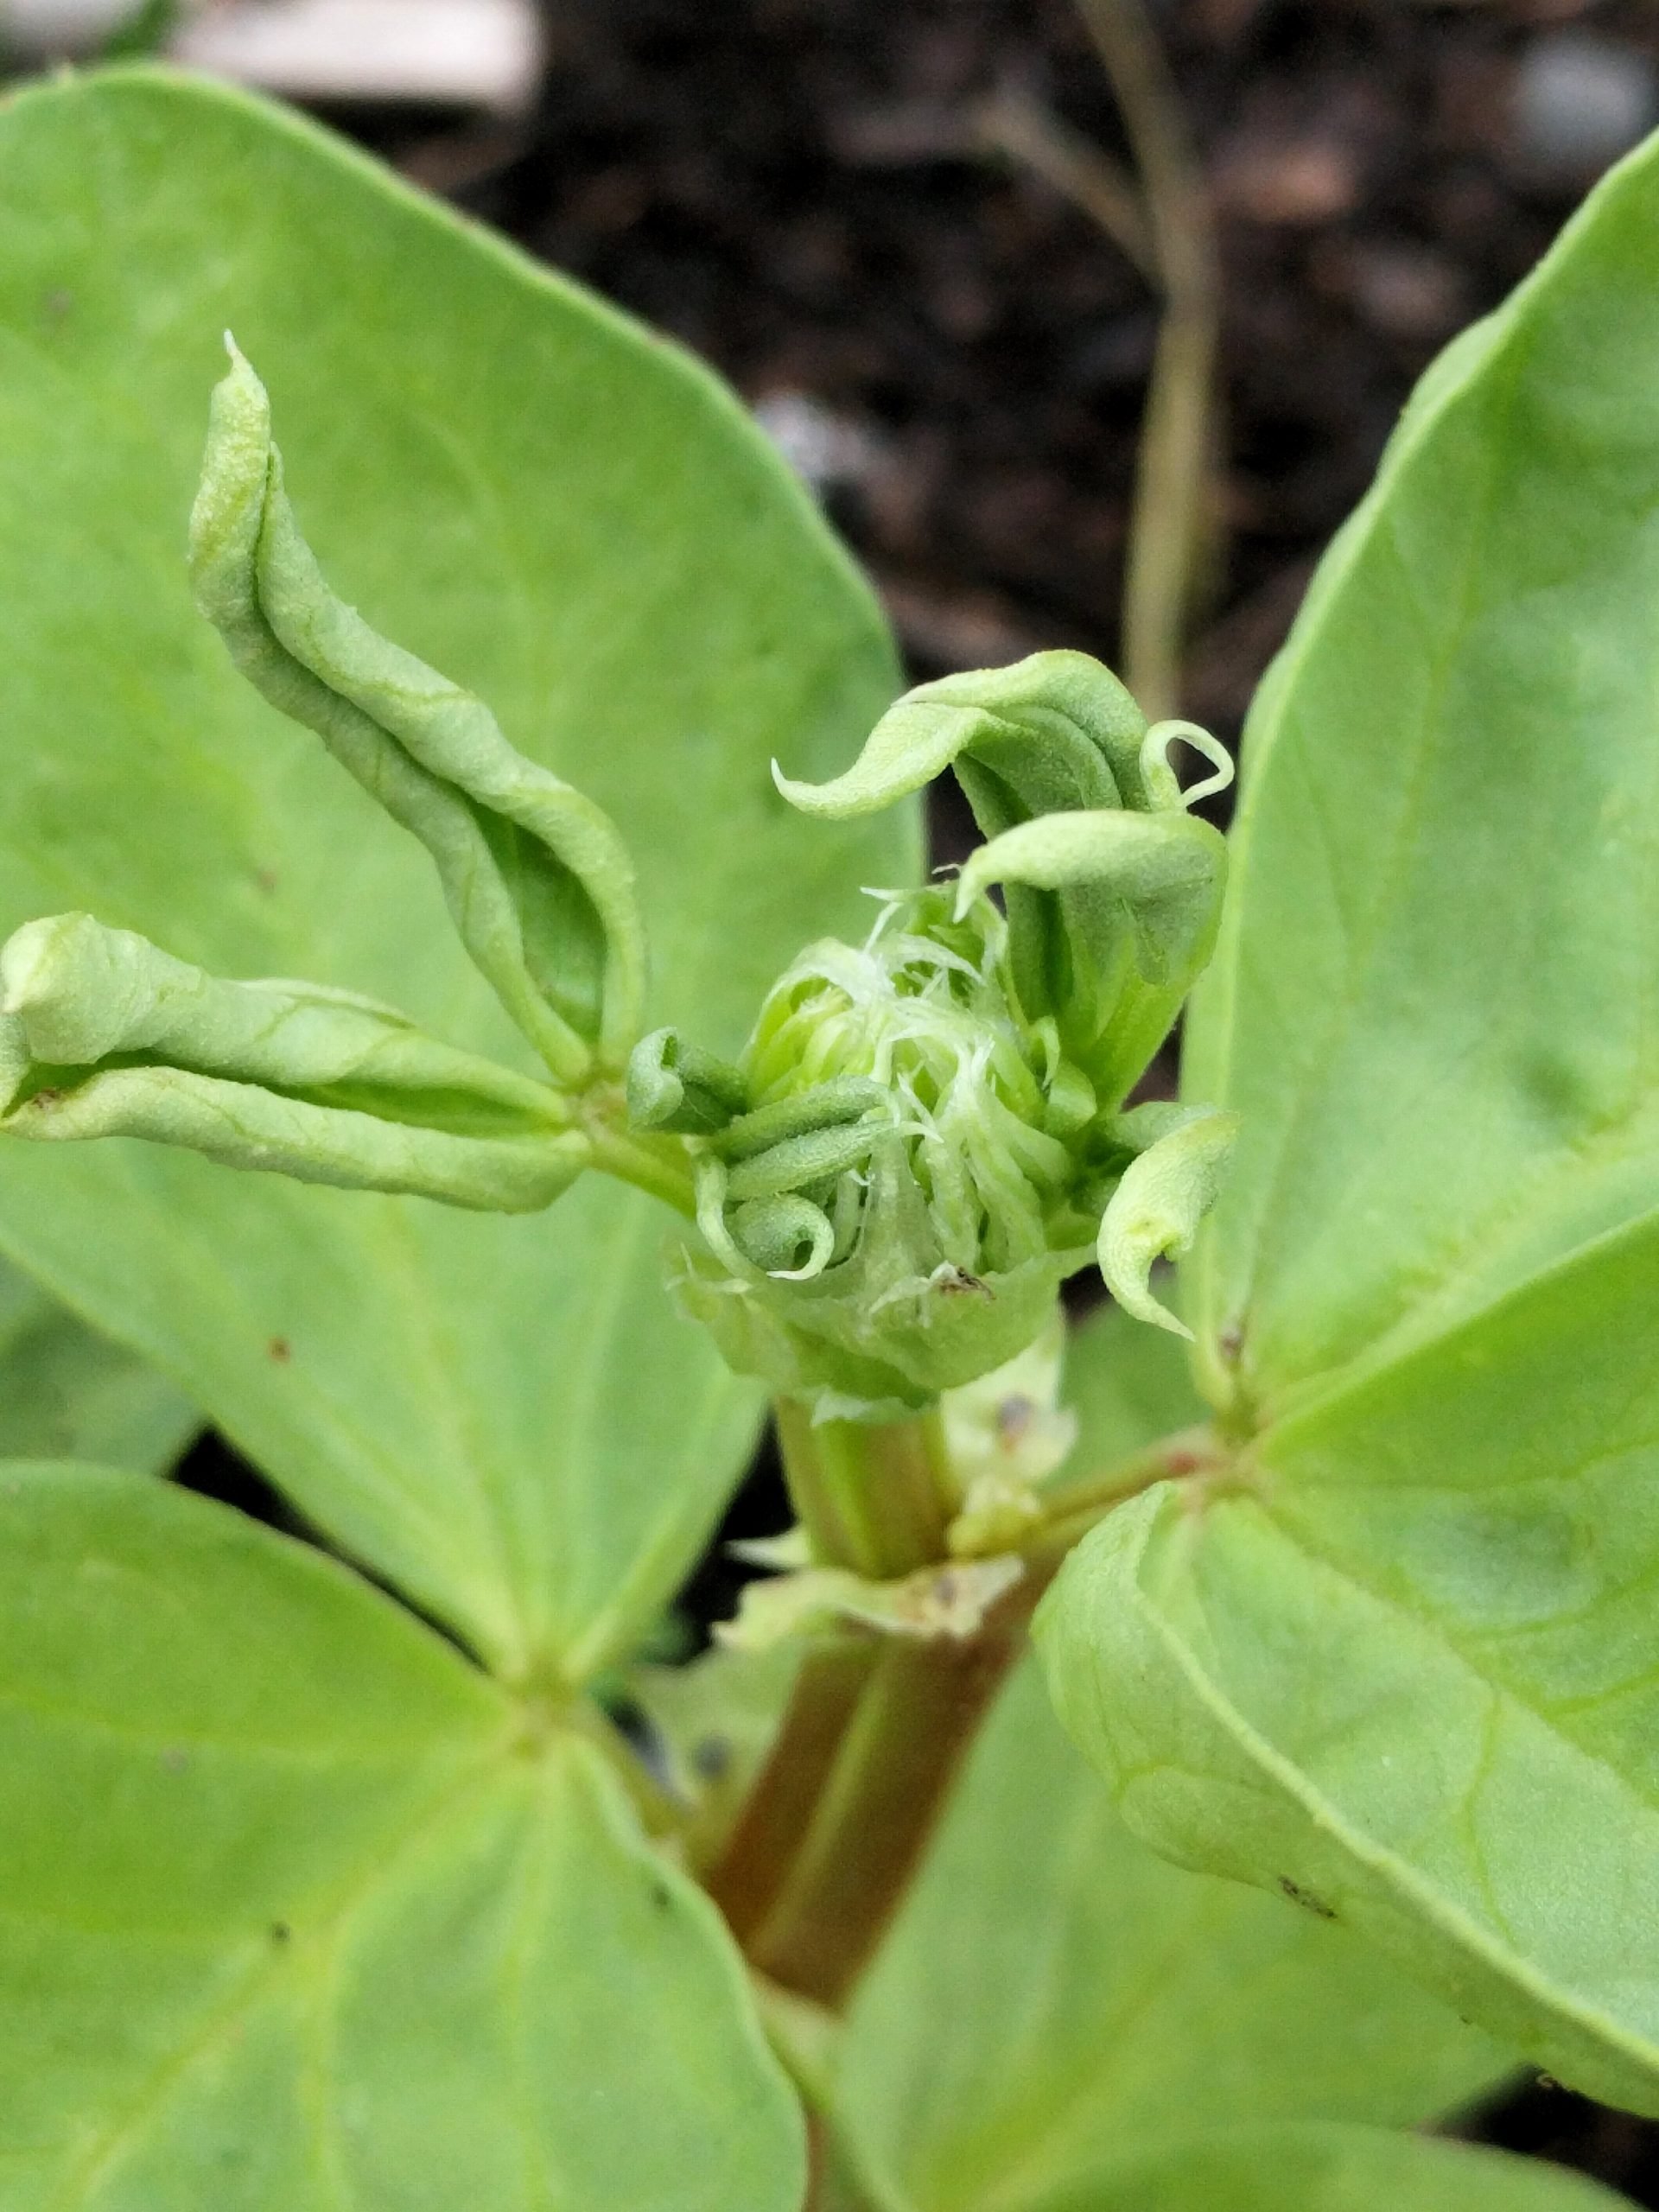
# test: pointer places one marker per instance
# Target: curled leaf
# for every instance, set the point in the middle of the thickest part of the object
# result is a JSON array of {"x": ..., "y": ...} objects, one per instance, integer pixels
[
  {"x": 1138, "y": 899},
  {"x": 674, "y": 1085},
  {"x": 787, "y": 1237},
  {"x": 1159, "y": 875},
  {"x": 1160, "y": 780},
  {"x": 103, "y": 1034},
  {"x": 537, "y": 880},
  {"x": 1156, "y": 1208},
  {"x": 1056, "y": 729}
]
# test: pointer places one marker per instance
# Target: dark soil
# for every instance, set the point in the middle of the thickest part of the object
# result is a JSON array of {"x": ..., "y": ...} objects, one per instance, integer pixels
[{"x": 799, "y": 190}]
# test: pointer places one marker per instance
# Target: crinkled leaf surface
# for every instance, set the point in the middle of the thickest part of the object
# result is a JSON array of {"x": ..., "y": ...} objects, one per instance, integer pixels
[
  {"x": 563, "y": 514},
  {"x": 1053, "y": 1992},
  {"x": 298, "y": 1911},
  {"x": 68, "y": 1392},
  {"x": 1333, "y": 2170},
  {"x": 1406, "y": 1659}
]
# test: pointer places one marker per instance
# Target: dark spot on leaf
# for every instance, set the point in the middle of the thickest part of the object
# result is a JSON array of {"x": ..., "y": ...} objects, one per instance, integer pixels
[
  {"x": 1306, "y": 1898},
  {"x": 1231, "y": 1342},
  {"x": 280, "y": 1349},
  {"x": 44, "y": 1098},
  {"x": 265, "y": 878},
  {"x": 280, "y": 1931},
  {"x": 660, "y": 1897},
  {"x": 57, "y": 303},
  {"x": 960, "y": 1284},
  {"x": 711, "y": 1758},
  {"x": 175, "y": 1759}
]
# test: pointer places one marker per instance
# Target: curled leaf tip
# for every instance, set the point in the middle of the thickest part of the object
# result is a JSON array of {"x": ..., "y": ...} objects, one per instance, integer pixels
[
  {"x": 1161, "y": 779},
  {"x": 1155, "y": 1210},
  {"x": 538, "y": 881}
]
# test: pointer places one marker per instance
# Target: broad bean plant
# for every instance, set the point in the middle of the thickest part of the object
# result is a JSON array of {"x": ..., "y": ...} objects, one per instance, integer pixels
[{"x": 1172, "y": 1758}]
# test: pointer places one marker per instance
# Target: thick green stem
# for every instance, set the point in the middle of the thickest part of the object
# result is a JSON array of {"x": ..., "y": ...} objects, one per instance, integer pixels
[
  {"x": 874, "y": 1495},
  {"x": 878, "y": 1728},
  {"x": 877, "y": 1497}
]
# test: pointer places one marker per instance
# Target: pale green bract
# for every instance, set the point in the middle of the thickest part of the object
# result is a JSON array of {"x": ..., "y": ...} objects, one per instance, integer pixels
[{"x": 539, "y": 884}]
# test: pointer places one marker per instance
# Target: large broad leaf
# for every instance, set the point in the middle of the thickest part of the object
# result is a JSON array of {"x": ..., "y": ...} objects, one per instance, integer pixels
[
  {"x": 1333, "y": 2170},
  {"x": 1404, "y": 1659},
  {"x": 1053, "y": 1995},
  {"x": 572, "y": 519},
  {"x": 67, "y": 1392},
  {"x": 1435, "y": 1006},
  {"x": 297, "y": 1909}
]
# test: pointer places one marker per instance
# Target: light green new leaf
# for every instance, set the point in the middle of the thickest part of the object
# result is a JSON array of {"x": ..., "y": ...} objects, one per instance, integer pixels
[
  {"x": 102, "y": 1034},
  {"x": 67, "y": 1392},
  {"x": 1333, "y": 2170},
  {"x": 538, "y": 883},
  {"x": 297, "y": 1911},
  {"x": 1055, "y": 730},
  {"x": 573, "y": 523},
  {"x": 1053, "y": 1994},
  {"x": 1142, "y": 894},
  {"x": 1435, "y": 1002}
]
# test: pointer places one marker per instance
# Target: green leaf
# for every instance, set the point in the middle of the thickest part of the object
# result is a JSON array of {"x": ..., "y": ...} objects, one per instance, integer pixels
[
  {"x": 101, "y": 1034},
  {"x": 577, "y": 526},
  {"x": 1333, "y": 2170},
  {"x": 1435, "y": 1002},
  {"x": 1145, "y": 900},
  {"x": 66, "y": 1392},
  {"x": 345, "y": 1924},
  {"x": 1402, "y": 1662},
  {"x": 1053, "y": 1997},
  {"x": 539, "y": 885}
]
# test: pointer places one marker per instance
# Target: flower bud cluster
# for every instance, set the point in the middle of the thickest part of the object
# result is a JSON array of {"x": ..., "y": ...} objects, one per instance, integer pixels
[
  {"x": 924, "y": 1135},
  {"x": 894, "y": 1208}
]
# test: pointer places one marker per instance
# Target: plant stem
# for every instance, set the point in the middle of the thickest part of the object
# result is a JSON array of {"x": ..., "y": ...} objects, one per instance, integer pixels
[
  {"x": 759, "y": 1853},
  {"x": 655, "y": 1164},
  {"x": 1170, "y": 501},
  {"x": 915, "y": 1723},
  {"x": 876, "y": 1498},
  {"x": 841, "y": 1814},
  {"x": 874, "y": 1495}
]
